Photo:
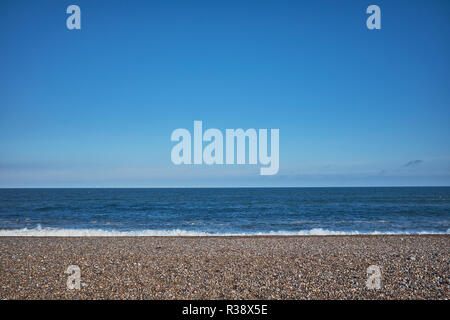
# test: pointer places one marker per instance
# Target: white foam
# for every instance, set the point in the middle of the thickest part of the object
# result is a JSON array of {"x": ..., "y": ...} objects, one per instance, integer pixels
[{"x": 54, "y": 232}]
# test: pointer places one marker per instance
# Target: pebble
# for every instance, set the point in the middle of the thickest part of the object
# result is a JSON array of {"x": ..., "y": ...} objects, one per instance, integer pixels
[{"x": 265, "y": 267}]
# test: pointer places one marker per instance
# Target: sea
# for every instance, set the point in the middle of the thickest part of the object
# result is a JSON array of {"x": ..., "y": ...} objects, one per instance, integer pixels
[{"x": 224, "y": 211}]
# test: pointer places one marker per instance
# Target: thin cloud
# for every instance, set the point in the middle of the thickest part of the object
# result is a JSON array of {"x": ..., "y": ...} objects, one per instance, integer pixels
[{"x": 413, "y": 163}]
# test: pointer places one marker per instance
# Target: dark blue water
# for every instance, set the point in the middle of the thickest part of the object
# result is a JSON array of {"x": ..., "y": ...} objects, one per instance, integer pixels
[{"x": 224, "y": 211}]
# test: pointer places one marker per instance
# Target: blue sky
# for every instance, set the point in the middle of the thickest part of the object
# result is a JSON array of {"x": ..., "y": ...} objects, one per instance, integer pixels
[{"x": 96, "y": 107}]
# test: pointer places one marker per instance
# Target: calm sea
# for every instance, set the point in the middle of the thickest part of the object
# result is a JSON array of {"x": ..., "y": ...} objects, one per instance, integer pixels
[{"x": 217, "y": 211}]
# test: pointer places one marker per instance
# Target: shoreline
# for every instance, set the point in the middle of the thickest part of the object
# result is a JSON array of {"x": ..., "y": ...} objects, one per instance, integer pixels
[
  {"x": 226, "y": 267},
  {"x": 113, "y": 233},
  {"x": 244, "y": 236}
]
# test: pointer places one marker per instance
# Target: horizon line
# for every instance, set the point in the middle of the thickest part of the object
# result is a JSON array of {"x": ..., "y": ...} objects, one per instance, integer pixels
[{"x": 237, "y": 187}]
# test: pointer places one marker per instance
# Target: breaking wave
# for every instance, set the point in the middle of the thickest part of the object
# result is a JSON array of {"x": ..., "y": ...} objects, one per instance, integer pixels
[{"x": 56, "y": 232}]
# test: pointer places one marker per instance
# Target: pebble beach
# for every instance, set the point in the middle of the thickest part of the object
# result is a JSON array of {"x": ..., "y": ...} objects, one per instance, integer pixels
[{"x": 256, "y": 267}]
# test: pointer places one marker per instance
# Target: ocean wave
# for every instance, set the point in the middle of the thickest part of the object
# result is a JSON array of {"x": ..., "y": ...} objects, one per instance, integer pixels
[{"x": 55, "y": 232}]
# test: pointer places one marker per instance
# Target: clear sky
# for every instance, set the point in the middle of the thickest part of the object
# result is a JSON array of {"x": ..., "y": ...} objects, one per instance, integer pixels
[{"x": 96, "y": 107}]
